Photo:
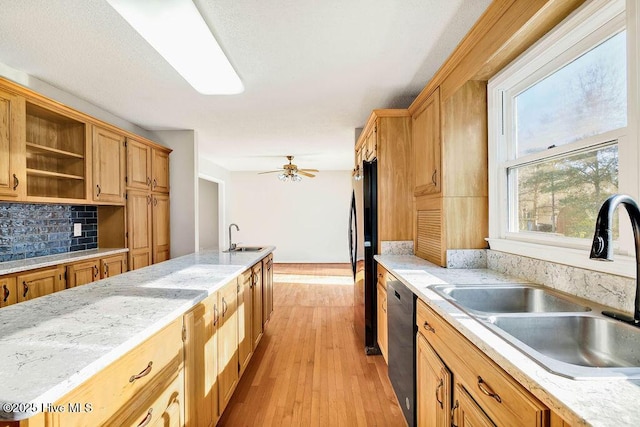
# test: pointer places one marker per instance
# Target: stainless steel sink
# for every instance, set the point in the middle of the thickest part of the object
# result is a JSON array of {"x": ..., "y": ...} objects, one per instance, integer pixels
[
  {"x": 246, "y": 249},
  {"x": 509, "y": 299},
  {"x": 576, "y": 345}
]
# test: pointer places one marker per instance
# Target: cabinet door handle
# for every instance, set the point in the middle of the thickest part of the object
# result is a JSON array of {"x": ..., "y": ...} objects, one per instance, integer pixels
[
  {"x": 106, "y": 270},
  {"x": 6, "y": 293},
  {"x": 440, "y": 386},
  {"x": 155, "y": 202},
  {"x": 149, "y": 199},
  {"x": 148, "y": 182},
  {"x": 95, "y": 271},
  {"x": 453, "y": 413},
  {"x": 147, "y": 419},
  {"x": 16, "y": 182},
  {"x": 155, "y": 183},
  {"x": 25, "y": 286},
  {"x": 428, "y": 327},
  {"x": 484, "y": 387},
  {"x": 433, "y": 177},
  {"x": 146, "y": 371},
  {"x": 224, "y": 307},
  {"x": 215, "y": 315}
]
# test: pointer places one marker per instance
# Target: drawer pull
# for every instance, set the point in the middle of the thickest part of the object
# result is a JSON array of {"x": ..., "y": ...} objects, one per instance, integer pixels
[
  {"x": 147, "y": 419},
  {"x": 26, "y": 289},
  {"x": 216, "y": 317},
  {"x": 453, "y": 413},
  {"x": 428, "y": 327},
  {"x": 440, "y": 387},
  {"x": 484, "y": 387},
  {"x": 6, "y": 293},
  {"x": 144, "y": 373},
  {"x": 95, "y": 271},
  {"x": 106, "y": 270}
]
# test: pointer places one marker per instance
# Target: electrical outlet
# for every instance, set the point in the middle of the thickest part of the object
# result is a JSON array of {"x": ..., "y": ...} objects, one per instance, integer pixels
[{"x": 77, "y": 229}]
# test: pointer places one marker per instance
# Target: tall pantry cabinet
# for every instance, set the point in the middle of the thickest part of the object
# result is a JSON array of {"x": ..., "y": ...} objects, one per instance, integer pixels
[{"x": 147, "y": 182}]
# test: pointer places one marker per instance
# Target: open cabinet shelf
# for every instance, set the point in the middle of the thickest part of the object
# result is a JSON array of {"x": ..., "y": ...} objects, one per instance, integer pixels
[{"x": 55, "y": 153}]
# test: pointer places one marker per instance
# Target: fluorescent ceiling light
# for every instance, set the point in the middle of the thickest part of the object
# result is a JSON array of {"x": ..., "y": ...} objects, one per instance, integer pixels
[{"x": 177, "y": 31}]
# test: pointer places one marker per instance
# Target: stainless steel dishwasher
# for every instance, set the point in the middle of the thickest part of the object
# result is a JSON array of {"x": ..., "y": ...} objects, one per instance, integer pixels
[{"x": 401, "y": 311}]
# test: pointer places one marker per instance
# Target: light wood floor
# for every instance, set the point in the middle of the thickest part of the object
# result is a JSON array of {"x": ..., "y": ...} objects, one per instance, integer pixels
[{"x": 308, "y": 369}]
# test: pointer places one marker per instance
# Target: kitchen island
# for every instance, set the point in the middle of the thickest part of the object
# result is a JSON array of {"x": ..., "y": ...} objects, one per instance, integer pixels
[
  {"x": 52, "y": 344},
  {"x": 597, "y": 402}
]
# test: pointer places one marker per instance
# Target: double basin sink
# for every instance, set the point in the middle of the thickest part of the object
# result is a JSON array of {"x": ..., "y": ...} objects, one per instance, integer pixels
[{"x": 566, "y": 335}]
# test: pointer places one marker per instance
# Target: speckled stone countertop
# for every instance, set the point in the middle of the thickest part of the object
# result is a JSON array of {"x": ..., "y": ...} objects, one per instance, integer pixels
[
  {"x": 11, "y": 267},
  {"x": 597, "y": 402},
  {"x": 50, "y": 345}
]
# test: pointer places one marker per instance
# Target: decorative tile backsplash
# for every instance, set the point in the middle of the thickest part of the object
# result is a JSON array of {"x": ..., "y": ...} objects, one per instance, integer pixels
[
  {"x": 466, "y": 258},
  {"x": 31, "y": 230}
]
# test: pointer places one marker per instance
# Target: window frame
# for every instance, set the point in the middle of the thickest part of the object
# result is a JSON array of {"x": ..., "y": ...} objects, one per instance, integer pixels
[{"x": 585, "y": 28}]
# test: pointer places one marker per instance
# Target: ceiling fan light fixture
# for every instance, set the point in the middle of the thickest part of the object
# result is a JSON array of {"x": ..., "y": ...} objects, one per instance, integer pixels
[{"x": 178, "y": 32}]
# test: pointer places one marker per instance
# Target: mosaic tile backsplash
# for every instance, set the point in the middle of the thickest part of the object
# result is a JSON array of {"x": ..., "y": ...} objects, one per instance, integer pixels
[{"x": 30, "y": 230}]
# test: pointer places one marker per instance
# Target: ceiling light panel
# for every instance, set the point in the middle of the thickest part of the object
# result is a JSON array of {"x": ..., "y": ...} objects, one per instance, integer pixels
[{"x": 178, "y": 32}]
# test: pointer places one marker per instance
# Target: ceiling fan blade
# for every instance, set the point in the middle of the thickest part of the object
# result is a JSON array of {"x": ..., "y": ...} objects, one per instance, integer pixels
[
  {"x": 279, "y": 170},
  {"x": 309, "y": 170},
  {"x": 303, "y": 173}
]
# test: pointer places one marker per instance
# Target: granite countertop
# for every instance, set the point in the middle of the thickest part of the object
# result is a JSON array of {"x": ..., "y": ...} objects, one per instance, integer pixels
[
  {"x": 11, "y": 267},
  {"x": 50, "y": 345},
  {"x": 597, "y": 402}
]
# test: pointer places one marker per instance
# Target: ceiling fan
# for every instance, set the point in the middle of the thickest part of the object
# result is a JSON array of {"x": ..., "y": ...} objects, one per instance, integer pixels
[{"x": 291, "y": 172}]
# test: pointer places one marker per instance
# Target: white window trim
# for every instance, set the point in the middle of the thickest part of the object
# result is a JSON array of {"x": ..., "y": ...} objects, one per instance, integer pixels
[{"x": 568, "y": 39}]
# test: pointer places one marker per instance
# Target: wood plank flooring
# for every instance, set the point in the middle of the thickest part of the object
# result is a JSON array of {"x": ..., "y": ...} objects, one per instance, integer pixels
[{"x": 309, "y": 369}]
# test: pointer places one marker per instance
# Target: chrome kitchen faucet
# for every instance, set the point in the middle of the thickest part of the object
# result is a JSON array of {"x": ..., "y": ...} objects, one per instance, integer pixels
[{"x": 232, "y": 245}]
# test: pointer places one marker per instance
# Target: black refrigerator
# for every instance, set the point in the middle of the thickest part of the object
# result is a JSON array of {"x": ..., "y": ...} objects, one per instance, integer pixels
[{"x": 363, "y": 240}]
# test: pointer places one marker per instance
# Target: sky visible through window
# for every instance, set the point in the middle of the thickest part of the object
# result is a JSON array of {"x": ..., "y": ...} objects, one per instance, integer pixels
[{"x": 586, "y": 97}]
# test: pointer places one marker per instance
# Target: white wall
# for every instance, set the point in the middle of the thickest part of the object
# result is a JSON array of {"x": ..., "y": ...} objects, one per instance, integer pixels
[
  {"x": 70, "y": 100},
  {"x": 208, "y": 226},
  {"x": 183, "y": 176},
  {"x": 307, "y": 221},
  {"x": 209, "y": 170}
]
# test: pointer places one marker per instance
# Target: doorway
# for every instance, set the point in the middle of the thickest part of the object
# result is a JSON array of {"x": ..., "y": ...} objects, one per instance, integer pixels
[{"x": 208, "y": 215}]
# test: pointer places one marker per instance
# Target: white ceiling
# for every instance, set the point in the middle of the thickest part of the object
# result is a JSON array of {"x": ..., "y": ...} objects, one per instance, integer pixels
[{"x": 312, "y": 69}]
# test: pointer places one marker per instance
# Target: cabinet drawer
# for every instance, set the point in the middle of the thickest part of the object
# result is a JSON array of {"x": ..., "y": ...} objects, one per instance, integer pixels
[
  {"x": 500, "y": 396},
  {"x": 126, "y": 379},
  {"x": 164, "y": 406}
]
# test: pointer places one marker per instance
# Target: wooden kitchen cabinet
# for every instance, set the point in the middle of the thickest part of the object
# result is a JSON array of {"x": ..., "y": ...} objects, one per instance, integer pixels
[
  {"x": 387, "y": 137},
  {"x": 466, "y": 412},
  {"x": 426, "y": 146},
  {"x": 12, "y": 158},
  {"x": 147, "y": 182},
  {"x": 267, "y": 289},
  {"x": 256, "y": 293},
  {"x": 433, "y": 388},
  {"x": 201, "y": 363},
  {"x": 113, "y": 265},
  {"x": 38, "y": 283},
  {"x": 109, "y": 163},
  {"x": 83, "y": 272},
  {"x": 484, "y": 394},
  {"x": 138, "y": 165},
  {"x": 8, "y": 291},
  {"x": 450, "y": 163},
  {"x": 160, "y": 171},
  {"x": 383, "y": 341},
  {"x": 139, "y": 228},
  {"x": 245, "y": 319},
  {"x": 161, "y": 231},
  {"x": 149, "y": 376},
  {"x": 227, "y": 343}
]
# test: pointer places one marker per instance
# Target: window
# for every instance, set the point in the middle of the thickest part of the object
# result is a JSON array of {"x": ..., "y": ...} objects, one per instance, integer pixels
[{"x": 558, "y": 135}]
